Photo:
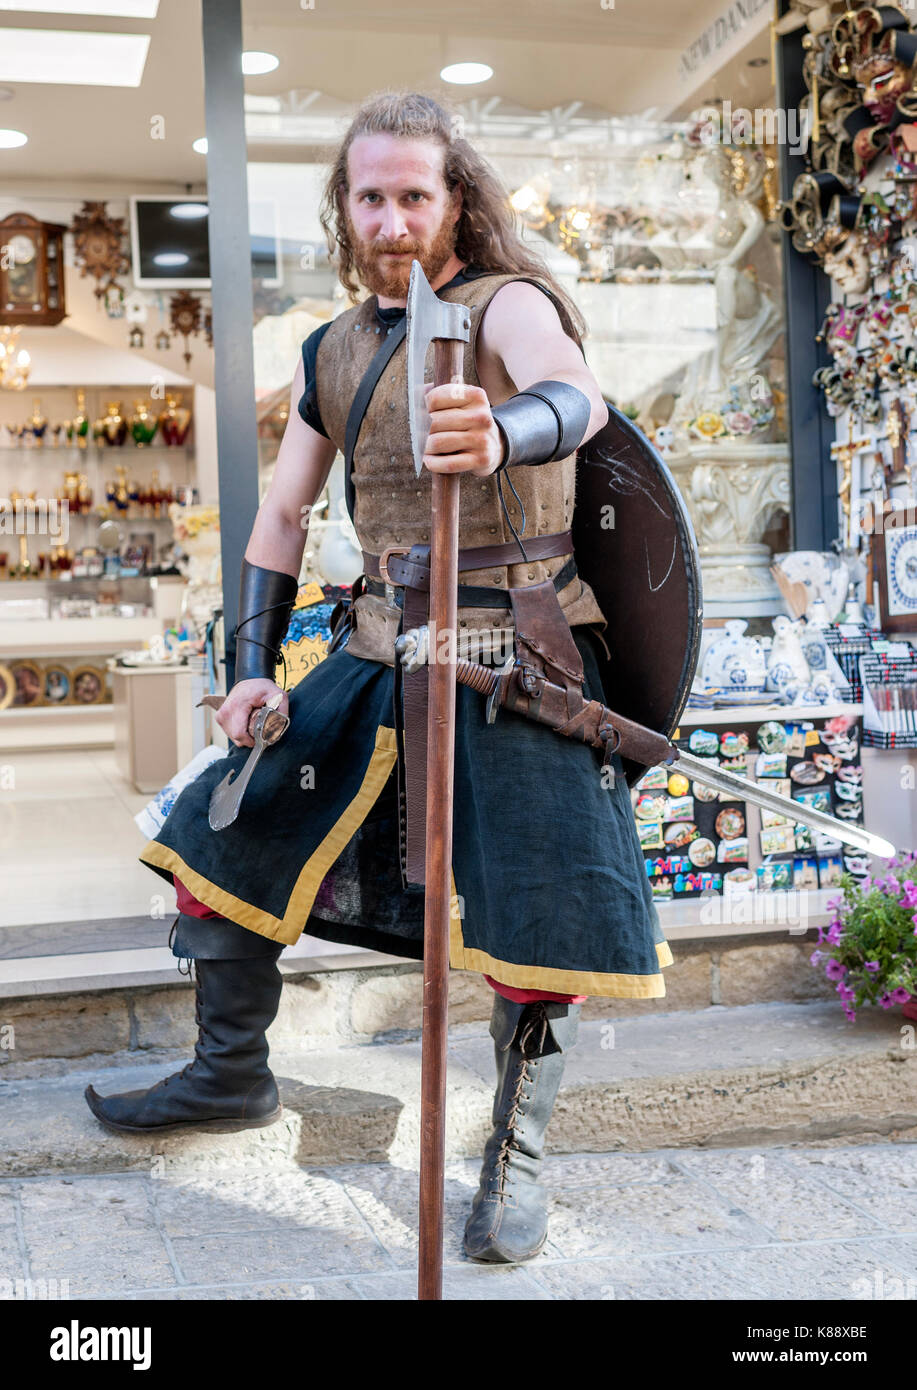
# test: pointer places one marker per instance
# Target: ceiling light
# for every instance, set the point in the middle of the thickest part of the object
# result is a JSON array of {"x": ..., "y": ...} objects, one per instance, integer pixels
[
  {"x": 120, "y": 9},
  {"x": 466, "y": 73},
  {"x": 10, "y": 139},
  {"x": 171, "y": 258},
  {"x": 255, "y": 62},
  {"x": 78, "y": 58},
  {"x": 758, "y": 62},
  {"x": 189, "y": 211},
  {"x": 200, "y": 146}
]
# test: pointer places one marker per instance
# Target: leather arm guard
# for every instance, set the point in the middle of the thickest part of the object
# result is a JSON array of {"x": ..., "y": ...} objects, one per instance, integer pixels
[
  {"x": 266, "y": 599},
  {"x": 544, "y": 422}
]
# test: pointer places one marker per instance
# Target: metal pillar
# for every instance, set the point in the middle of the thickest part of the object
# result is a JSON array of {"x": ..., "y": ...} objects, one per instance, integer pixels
[
  {"x": 807, "y": 293},
  {"x": 233, "y": 316}
]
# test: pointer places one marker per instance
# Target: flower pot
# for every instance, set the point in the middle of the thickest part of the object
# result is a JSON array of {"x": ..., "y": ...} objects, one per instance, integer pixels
[{"x": 909, "y": 1010}]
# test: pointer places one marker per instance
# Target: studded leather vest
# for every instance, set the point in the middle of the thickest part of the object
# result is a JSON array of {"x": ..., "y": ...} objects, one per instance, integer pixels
[{"x": 392, "y": 504}]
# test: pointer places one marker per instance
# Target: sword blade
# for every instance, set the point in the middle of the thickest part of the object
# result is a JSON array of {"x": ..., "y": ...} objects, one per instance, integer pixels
[{"x": 746, "y": 790}]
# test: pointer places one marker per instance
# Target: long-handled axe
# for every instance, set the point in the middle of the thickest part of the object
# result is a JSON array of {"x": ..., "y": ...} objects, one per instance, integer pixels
[{"x": 446, "y": 326}]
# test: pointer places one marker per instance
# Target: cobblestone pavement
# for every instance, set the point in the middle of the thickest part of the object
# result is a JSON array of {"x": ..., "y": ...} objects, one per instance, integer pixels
[{"x": 784, "y": 1223}]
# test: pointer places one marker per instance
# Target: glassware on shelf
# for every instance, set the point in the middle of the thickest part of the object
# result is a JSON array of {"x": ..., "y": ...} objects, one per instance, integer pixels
[
  {"x": 175, "y": 421},
  {"x": 78, "y": 427},
  {"x": 144, "y": 424},
  {"x": 112, "y": 427}
]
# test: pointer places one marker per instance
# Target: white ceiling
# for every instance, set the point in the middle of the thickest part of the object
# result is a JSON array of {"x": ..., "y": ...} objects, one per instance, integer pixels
[{"x": 622, "y": 60}]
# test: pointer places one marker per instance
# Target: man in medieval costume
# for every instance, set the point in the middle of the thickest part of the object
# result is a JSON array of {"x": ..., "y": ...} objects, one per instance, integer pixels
[{"x": 552, "y": 900}]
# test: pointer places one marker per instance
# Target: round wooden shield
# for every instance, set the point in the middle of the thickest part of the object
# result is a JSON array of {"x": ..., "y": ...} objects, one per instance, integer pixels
[{"x": 635, "y": 547}]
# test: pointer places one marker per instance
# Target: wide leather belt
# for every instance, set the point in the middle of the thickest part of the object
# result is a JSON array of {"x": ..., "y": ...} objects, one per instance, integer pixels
[
  {"x": 474, "y": 595},
  {"x": 408, "y": 568},
  {"x": 410, "y": 565}
]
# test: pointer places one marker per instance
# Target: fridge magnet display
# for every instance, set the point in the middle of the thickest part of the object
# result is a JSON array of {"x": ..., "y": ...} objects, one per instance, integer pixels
[
  {"x": 678, "y": 784},
  {"x": 819, "y": 800},
  {"x": 771, "y": 737},
  {"x": 679, "y": 808},
  {"x": 702, "y": 792},
  {"x": 650, "y": 807},
  {"x": 829, "y": 871},
  {"x": 702, "y": 852},
  {"x": 805, "y": 873},
  {"x": 772, "y": 818},
  {"x": 775, "y": 876},
  {"x": 770, "y": 765},
  {"x": 649, "y": 833},
  {"x": 777, "y": 839},
  {"x": 679, "y": 833},
  {"x": 703, "y": 742},
  {"x": 730, "y": 823},
  {"x": 733, "y": 745},
  {"x": 803, "y": 836},
  {"x": 732, "y": 851},
  {"x": 806, "y": 774},
  {"x": 654, "y": 779}
]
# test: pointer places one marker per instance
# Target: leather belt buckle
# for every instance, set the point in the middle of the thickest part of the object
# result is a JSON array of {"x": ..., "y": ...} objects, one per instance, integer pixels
[{"x": 384, "y": 558}]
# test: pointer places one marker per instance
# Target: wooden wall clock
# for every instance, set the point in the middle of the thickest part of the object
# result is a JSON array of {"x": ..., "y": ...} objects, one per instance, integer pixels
[
  {"x": 31, "y": 271},
  {"x": 894, "y": 560}
]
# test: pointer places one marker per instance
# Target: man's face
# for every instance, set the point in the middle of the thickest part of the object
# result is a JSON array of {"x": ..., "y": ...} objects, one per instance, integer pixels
[{"x": 398, "y": 209}]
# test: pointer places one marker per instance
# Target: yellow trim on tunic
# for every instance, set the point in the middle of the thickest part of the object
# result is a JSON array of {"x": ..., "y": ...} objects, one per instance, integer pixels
[
  {"x": 289, "y": 927},
  {"x": 592, "y": 982}
]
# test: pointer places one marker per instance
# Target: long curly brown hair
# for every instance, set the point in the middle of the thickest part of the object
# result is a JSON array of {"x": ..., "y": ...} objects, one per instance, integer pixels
[{"x": 486, "y": 231}]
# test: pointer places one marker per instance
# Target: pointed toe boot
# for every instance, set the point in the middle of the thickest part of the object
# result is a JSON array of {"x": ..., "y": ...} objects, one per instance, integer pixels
[
  {"x": 228, "y": 1086},
  {"x": 508, "y": 1221}
]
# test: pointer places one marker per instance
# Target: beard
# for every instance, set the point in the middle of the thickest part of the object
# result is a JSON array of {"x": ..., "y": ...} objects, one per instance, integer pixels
[{"x": 391, "y": 281}]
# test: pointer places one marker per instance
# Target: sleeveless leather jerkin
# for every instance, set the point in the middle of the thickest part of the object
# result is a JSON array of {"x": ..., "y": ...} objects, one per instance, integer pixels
[{"x": 392, "y": 504}]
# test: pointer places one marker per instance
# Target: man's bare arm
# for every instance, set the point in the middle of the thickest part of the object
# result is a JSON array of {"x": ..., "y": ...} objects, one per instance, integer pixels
[
  {"x": 277, "y": 541},
  {"x": 522, "y": 328},
  {"x": 304, "y": 461}
]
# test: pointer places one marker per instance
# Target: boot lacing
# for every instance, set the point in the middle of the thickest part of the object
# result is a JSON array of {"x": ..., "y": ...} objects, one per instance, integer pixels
[
  {"x": 532, "y": 1031},
  {"x": 201, "y": 1029}
]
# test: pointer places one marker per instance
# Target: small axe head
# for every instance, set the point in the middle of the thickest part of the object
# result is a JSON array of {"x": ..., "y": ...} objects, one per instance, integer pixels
[{"x": 428, "y": 318}]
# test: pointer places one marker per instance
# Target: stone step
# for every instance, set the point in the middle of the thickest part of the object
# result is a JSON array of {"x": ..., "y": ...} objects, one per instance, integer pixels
[
  {"x": 86, "y": 994},
  {"x": 753, "y": 1075}
]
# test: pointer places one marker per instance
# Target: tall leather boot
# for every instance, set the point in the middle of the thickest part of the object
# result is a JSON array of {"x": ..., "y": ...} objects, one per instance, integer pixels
[
  {"x": 228, "y": 1086},
  {"x": 509, "y": 1220}
]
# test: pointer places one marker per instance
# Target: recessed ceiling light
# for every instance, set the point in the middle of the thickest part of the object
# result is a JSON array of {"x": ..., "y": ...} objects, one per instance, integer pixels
[
  {"x": 120, "y": 9},
  {"x": 171, "y": 258},
  {"x": 255, "y": 62},
  {"x": 189, "y": 211},
  {"x": 466, "y": 73},
  {"x": 78, "y": 58},
  {"x": 200, "y": 146},
  {"x": 10, "y": 139},
  {"x": 758, "y": 62}
]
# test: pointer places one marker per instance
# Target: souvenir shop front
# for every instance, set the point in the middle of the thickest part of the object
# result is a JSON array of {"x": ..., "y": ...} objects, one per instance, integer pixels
[{"x": 730, "y": 210}]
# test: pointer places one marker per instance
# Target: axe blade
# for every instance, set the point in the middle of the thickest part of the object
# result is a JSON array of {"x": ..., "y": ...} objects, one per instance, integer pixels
[{"x": 428, "y": 318}]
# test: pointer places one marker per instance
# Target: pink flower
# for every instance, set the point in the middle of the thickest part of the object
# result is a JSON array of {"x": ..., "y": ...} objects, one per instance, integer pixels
[
  {"x": 900, "y": 995},
  {"x": 833, "y": 934},
  {"x": 885, "y": 1001},
  {"x": 834, "y": 970},
  {"x": 866, "y": 885},
  {"x": 910, "y": 893},
  {"x": 871, "y": 965},
  {"x": 846, "y": 992},
  {"x": 815, "y": 957},
  {"x": 850, "y": 1013}
]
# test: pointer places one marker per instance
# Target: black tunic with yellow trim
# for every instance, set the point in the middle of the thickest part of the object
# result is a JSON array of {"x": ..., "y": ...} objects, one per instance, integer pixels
[{"x": 549, "y": 885}]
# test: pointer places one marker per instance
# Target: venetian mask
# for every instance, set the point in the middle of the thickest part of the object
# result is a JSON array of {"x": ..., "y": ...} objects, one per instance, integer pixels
[
  {"x": 849, "y": 265},
  {"x": 883, "y": 81}
]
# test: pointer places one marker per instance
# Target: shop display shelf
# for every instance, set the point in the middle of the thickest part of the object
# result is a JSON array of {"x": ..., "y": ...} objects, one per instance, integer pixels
[
  {"x": 49, "y": 637},
  {"x": 43, "y": 727}
]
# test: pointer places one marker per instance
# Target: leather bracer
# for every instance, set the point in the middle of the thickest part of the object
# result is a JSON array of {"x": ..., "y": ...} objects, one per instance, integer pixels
[
  {"x": 266, "y": 599},
  {"x": 544, "y": 422}
]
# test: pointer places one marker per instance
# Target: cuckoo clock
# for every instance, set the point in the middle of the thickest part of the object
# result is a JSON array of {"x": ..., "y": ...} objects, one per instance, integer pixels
[{"x": 31, "y": 271}]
